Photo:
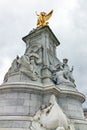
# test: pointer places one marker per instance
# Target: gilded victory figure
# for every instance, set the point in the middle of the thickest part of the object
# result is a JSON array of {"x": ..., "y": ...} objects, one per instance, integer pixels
[{"x": 43, "y": 17}]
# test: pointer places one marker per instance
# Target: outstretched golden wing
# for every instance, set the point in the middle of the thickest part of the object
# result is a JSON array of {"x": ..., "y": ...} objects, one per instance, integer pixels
[{"x": 48, "y": 15}]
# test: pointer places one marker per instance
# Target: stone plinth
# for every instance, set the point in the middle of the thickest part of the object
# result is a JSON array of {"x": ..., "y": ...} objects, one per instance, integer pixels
[{"x": 19, "y": 102}]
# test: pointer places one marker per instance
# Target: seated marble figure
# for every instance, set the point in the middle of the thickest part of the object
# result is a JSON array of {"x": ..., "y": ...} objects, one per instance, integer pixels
[{"x": 62, "y": 73}]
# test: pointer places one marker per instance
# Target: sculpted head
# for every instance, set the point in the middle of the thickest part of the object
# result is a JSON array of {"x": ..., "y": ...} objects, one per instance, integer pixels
[
  {"x": 65, "y": 60},
  {"x": 43, "y": 13}
]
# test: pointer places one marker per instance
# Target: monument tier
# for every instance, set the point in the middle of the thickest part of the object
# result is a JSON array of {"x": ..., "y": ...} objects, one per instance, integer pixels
[{"x": 39, "y": 82}]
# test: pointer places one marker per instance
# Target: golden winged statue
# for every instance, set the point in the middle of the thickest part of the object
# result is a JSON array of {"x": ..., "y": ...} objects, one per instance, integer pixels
[{"x": 43, "y": 17}]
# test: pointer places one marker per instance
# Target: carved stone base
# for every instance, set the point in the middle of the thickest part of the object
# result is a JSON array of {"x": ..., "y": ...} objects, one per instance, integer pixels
[
  {"x": 19, "y": 102},
  {"x": 24, "y": 122},
  {"x": 25, "y": 99}
]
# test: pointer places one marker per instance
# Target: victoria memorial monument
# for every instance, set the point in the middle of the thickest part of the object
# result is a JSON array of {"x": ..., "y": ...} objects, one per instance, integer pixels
[{"x": 39, "y": 91}]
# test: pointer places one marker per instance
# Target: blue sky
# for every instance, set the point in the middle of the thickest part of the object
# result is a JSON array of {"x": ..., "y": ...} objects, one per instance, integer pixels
[{"x": 69, "y": 24}]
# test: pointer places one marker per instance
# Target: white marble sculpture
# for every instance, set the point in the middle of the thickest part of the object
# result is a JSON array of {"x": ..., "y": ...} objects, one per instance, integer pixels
[
  {"x": 27, "y": 67},
  {"x": 67, "y": 72},
  {"x": 61, "y": 73},
  {"x": 50, "y": 117}
]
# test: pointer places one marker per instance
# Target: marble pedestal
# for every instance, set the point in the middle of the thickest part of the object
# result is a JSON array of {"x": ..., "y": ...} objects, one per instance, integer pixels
[{"x": 19, "y": 102}]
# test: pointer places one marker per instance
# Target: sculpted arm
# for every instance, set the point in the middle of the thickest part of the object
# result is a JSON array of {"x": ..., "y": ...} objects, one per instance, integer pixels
[
  {"x": 36, "y": 13},
  {"x": 72, "y": 69}
]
